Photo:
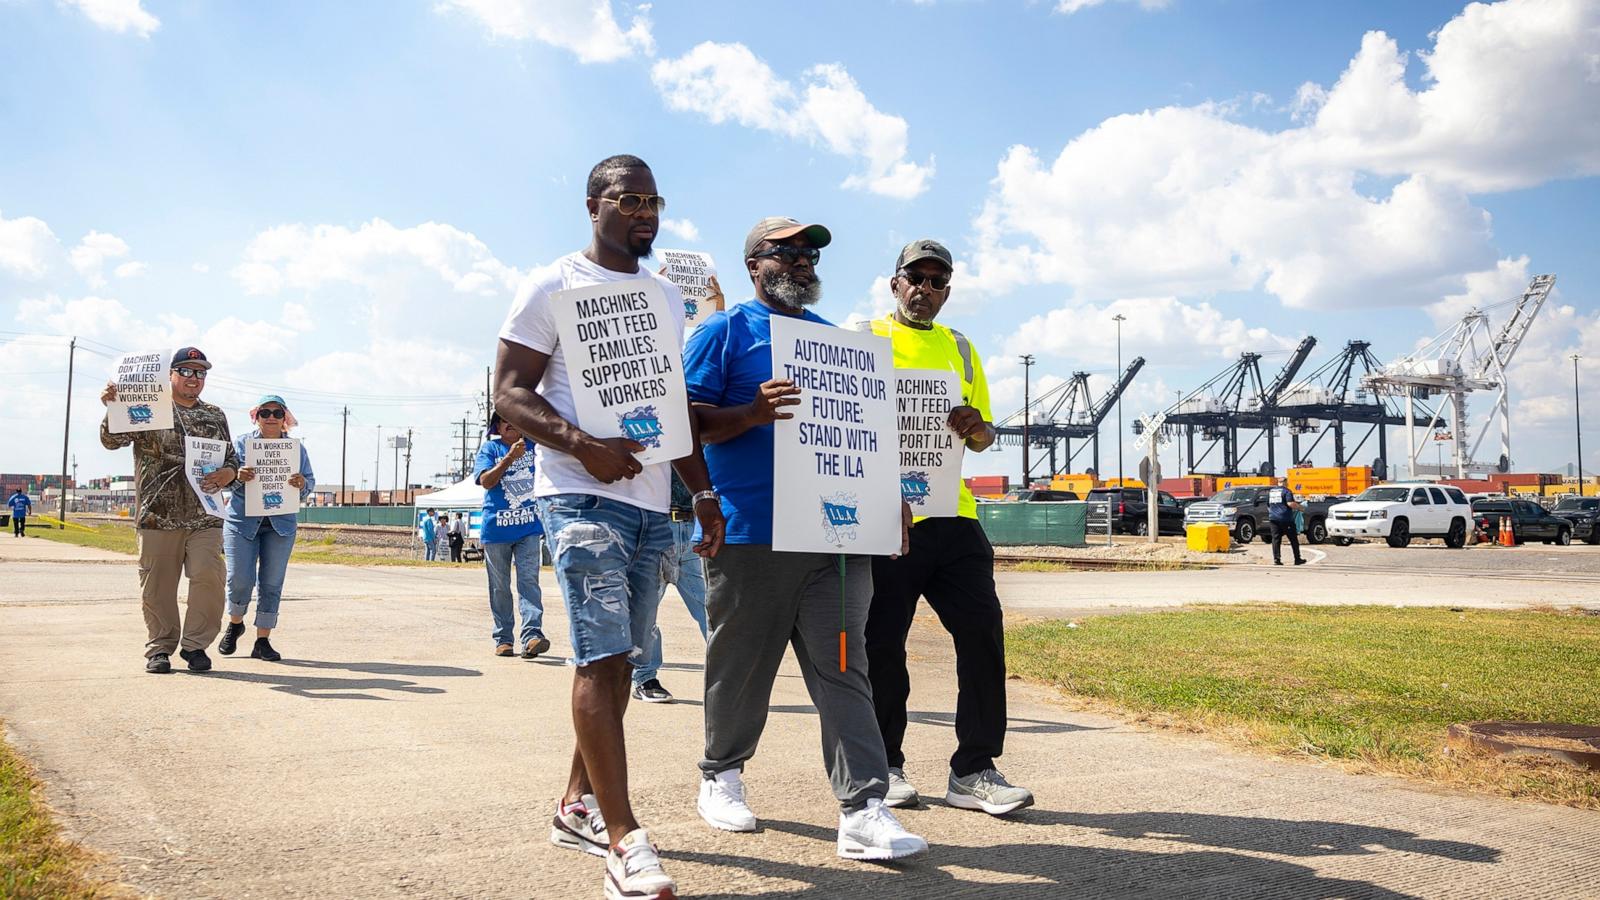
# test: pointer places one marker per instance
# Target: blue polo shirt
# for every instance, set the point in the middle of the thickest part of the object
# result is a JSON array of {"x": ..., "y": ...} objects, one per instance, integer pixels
[
  {"x": 508, "y": 513},
  {"x": 725, "y": 362},
  {"x": 20, "y": 504}
]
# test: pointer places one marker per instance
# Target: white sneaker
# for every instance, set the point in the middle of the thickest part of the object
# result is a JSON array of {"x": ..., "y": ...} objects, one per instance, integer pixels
[
  {"x": 633, "y": 871},
  {"x": 901, "y": 792},
  {"x": 722, "y": 802},
  {"x": 581, "y": 827},
  {"x": 873, "y": 832}
]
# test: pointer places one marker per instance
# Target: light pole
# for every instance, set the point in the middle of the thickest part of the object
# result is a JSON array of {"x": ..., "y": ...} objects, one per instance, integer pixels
[
  {"x": 1577, "y": 420},
  {"x": 1119, "y": 318},
  {"x": 1027, "y": 366}
]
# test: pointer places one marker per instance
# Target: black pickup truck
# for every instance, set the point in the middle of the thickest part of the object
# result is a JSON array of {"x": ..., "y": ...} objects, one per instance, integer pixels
[
  {"x": 1130, "y": 511},
  {"x": 1529, "y": 521},
  {"x": 1584, "y": 514},
  {"x": 1244, "y": 510}
]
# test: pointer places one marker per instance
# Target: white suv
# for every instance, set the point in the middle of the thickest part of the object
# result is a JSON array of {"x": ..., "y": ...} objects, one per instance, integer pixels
[{"x": 1398, "y": 512}]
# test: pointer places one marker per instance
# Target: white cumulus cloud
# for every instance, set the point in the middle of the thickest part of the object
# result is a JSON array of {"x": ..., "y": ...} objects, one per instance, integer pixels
[
  {"x": 826, "y": 108},
  {"x": 1368, "y": 204},
  {"x": 682, "y": 229},
  {"x": 1068, "y": 7},
  {"x": 588, "y": 28},
  {"x": 27, "y": 246},
  {"x": 118, "y": 15},
  {"x": 92, "y": 253}
]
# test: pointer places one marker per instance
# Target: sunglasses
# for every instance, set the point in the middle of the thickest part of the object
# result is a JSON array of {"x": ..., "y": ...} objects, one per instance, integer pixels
[
  {"x": 790, "y": 255},
  {"x": 936, "y": 282},
  {"x": 271, "y": 413},
  {"x": 186, "y": 372},
  {"x": 630, "y": 204}
]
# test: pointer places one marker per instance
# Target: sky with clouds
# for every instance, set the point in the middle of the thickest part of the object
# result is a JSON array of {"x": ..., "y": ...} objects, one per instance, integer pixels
[{"x": 336, "y": 201}]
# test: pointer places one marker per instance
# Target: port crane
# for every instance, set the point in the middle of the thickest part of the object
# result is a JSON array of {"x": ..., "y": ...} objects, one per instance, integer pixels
[{"x": 1066, "y": 412}]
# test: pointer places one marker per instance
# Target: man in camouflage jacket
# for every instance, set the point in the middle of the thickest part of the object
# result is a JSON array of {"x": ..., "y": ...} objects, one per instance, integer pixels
[{"x": 176, "y": 534}]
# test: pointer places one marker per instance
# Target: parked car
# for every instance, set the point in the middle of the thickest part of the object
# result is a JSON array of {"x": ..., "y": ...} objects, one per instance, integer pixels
[
  {"x": 1584, "y": 514},
  {"x": 1398, "y": 512},
  {"x": 1130, "y": 512},
  {"x": 1040, "y": 495},
  {"x": 1529, "y": 521},
  {"x": 1244, "y": 511}
]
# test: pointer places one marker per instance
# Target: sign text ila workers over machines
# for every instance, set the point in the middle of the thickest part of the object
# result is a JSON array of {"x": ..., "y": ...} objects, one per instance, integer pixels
[
  {"x": 274, "y": 460},
  {"x": 836, "y": 475},
  {"x": 623, "y": 348},
  {"x": 144, "y": 393},
  {"x": 930, "y": 452}
]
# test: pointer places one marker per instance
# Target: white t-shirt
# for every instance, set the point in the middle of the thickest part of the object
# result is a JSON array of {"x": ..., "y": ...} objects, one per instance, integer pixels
[{"x": 531, "y": 324}]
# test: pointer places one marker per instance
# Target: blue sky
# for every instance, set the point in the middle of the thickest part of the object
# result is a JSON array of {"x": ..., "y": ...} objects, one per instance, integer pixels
[{"x": 336, "y": 200}]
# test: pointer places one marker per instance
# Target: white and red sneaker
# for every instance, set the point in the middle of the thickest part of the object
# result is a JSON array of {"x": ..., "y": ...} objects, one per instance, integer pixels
[
  {"x": 579, "y": 826},
  {"x": 633, "y": 871}
]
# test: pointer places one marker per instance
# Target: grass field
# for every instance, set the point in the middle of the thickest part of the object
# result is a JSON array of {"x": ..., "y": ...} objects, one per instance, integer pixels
[
  {"x": 125, "y": 539},
  {"x": 1369, "y": 687},
  {"x": 35, "y": 863}
]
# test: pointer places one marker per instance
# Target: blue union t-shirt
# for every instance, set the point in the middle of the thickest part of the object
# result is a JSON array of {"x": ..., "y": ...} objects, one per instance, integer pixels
[
  {"x": 508, "y": 513},
  {"x": 1278, "y": 500},
  {"x": 725, "y": 363},
  {"x": 20, "y": 504}
]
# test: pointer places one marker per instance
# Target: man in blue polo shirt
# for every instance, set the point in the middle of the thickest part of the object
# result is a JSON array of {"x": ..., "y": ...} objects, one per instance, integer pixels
[
  {"x": 510, "y": 534},
  {"x": 759, "y": 600}
]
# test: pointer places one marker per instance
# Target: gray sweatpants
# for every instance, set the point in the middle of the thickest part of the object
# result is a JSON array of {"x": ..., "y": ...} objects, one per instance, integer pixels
[{"x": 758, "y": 600}]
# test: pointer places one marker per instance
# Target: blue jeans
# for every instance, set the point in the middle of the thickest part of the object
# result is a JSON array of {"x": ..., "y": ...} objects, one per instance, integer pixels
[
  {"x": 688, "y": 575},
  {"x": 430, "y": 551},
  {"x": 610, "y": 558},
  {"x": 256, "y": 563},
  {"x": 498, "y": 559}
]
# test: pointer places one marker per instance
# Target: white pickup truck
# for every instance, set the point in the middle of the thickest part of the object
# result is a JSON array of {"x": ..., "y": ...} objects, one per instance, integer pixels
[{"x": 1400, "y": 511}]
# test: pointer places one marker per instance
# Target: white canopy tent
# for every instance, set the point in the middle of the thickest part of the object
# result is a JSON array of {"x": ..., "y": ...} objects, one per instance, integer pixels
[{"x": 465, "y": 494}]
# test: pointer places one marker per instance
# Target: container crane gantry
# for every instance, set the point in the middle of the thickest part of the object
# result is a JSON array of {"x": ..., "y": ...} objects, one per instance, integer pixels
[
  {"x": 1244, "y": 400},
  {"x": 1073, "y": 413}
]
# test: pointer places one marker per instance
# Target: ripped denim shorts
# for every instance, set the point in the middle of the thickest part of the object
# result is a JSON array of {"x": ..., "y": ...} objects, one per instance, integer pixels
[{"x": 610, "y": 558}]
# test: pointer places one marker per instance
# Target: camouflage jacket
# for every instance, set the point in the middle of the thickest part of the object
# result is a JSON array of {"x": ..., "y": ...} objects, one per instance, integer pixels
[{"x": 165, "y": 500}]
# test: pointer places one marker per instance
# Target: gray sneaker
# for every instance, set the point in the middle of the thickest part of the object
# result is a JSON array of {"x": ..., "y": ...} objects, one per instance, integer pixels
[
  {"x": 901, "y": 793},
  {"x": 987, "y": 790}
]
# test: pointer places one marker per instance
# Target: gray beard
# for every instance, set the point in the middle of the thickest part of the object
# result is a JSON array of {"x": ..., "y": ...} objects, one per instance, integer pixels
[
  {"x": 909, "y": 315},
  {"x": 785, "y": 291}
]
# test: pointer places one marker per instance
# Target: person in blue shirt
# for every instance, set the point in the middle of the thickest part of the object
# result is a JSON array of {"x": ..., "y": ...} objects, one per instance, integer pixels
[
  {"x": 510, "y": 536},
  {"x": 760, "y": 600},
  {"x": 429, "y": 531},
  {"x": 257, "y": 548},
  {"x": 1281, "y": 506},
  {"x": 20, "y": 504}
]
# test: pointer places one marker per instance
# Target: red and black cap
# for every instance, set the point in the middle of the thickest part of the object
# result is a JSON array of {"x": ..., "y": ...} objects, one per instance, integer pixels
[{"x": 190, "y": 356}]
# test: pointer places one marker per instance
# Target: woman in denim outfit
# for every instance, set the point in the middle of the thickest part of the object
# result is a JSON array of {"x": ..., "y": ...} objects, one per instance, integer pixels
[{"x": 258, "y": 547}]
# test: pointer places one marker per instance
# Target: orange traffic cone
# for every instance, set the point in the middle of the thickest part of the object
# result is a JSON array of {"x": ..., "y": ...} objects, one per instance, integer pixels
[{"x": 1508, "y": 538}]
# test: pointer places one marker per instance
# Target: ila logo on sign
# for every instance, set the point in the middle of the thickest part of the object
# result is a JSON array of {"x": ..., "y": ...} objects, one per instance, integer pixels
[
  {"x": 272, "y": 499},
  {"x": 642, "y": 425},
  {"x": 839, "y": 519},
  {"x": 914, "y": 488},
  {"x": 140, "y": 414}
]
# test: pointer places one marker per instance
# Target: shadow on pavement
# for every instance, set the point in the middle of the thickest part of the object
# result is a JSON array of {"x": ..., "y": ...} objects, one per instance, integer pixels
[
  {"x": 948, "y": 720},
  {"x": 1045, "y": 870},
  {"x": 380, "y": 668},
  {"x": 326, "y": 688},
  {"x": 1286, "y": 837}
]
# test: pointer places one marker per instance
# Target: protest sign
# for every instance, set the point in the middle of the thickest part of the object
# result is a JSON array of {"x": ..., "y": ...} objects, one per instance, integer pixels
[
  {"x": 836, "y": 472},
  {"x": 201, "y": 457},
  {"x": 144, "y": 393},
  {"x": 274, "y": 460},
  {"x": 624, "y": 352},
  {"x": 692, "y": 272},
  {"x": 930, "y": 452}
]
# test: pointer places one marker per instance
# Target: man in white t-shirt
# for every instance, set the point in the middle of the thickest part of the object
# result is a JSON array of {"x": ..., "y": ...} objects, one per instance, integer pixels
[{"x": 605, "y": 519}]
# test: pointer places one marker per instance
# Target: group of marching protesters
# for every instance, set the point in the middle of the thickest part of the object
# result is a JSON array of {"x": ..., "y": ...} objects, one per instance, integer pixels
[{"x": 618, "y": 530}]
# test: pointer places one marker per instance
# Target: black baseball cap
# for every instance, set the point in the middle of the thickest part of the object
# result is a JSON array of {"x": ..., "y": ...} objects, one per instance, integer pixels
[
  {"x": 778, "y": 228},
  {"x": 924, "y": 249},
  {"x": 190, "y": 356}
]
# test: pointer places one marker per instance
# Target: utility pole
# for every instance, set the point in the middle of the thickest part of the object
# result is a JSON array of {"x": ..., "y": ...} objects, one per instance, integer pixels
[
  {"x": 395, "y": 443},
  {"x": 465, "y": 423},
  {"x": 408, "y": 465},
  {"x": 377, "y": 468},
  {"x": 488, "y": 399},
  {"x": 1578, "y": 420},
  {"x": 1119, "y": 318},
  {"x": 66, "y": 429},
  {"x": 344, "y": 441},
  {"x": 1027, "y": 366}
]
